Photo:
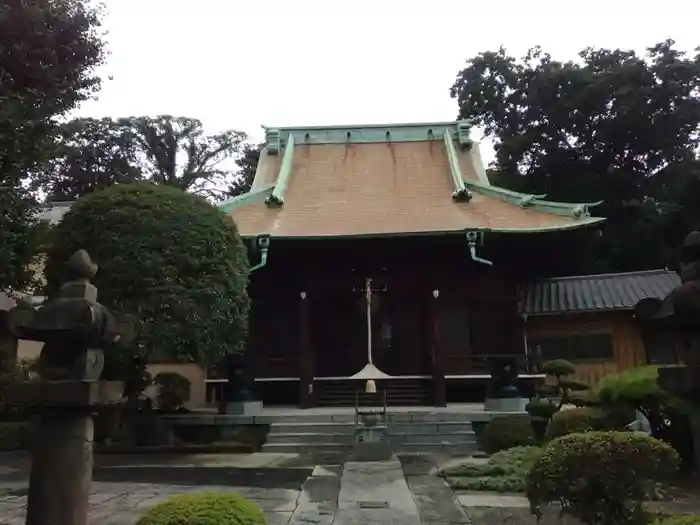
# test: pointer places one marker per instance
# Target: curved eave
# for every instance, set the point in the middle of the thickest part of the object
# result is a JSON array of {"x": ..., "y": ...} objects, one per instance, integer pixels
[
  {"x": 534, "y": 201},
  {"x": 241, "y": 200},
  {"x": 582, "y": 223}
]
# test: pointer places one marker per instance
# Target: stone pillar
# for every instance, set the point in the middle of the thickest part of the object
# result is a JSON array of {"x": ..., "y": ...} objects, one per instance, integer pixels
[
  {"x": 61, "y": 472},
  {"x": 306, "y": 357},
  {"x": 75, "y": 329},
  {"x": 438, "y": 353}
]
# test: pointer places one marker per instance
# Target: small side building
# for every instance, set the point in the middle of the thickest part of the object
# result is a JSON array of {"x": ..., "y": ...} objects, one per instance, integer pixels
[{"x": 589, "y": 320}]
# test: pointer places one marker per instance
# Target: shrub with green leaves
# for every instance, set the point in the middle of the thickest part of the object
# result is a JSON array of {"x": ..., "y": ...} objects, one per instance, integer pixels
[
  {"x": 541, "y": 408},
  {"x": 564, "y": 387},
  {"x": 601, "y": 478},
  {"x": 638, "y": 389},
  {"x": 204, "y": 508},
  {"x": 558, "y": 368},
  {"x": 170, "y": 260},
  {"x": 173, "y": 390},
  {"x": 574, "y": 420},
  {"x": 504, "y": 432},
  {"x": 505, "y": 471}
]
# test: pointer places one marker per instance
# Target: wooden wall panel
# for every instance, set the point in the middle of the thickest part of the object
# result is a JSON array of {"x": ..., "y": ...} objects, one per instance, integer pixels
[{"x": 627, "y": 341}]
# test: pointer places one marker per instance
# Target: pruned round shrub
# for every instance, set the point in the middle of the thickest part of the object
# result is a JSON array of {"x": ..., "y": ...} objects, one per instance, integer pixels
[
  {"x": 558, "y": 368},
  {"x": 600, "y": 477},
  {"x": 574, "y": 385},
  {"x": 504, "y": 432},
  {"x": 204, "y": 508},
  {"x": 167, "y": 259},
  {"x": 542, "y": 408},
  {"x": 173, "y": 390},
  {"x": 573, "y": 420}
]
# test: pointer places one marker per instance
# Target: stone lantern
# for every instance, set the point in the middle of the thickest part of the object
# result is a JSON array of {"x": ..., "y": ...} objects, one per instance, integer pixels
[{"x": 75, "y": 329}]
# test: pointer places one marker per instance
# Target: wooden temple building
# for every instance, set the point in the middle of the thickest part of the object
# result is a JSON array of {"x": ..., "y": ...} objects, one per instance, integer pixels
[
  {"x": 408, "y": 212},
  {"x": 462, "y": 273}
]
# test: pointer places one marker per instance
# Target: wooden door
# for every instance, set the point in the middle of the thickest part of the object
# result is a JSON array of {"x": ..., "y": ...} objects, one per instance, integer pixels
[
  {"x": 398, "y": 326},
  {"x": 338, "y": 332}
]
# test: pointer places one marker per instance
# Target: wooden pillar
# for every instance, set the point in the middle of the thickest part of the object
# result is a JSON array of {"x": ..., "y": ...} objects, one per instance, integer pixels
[
  {"x": 438, "y": 352},
  {"x": 306, "y": 357}
]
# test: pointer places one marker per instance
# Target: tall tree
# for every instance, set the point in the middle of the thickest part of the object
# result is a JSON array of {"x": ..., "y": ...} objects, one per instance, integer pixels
[
  {"x": 48, "y": 52},
  {"x": 247, "y": 164},
  {"x": 611, "y": 126},
  {"x": 178, "y": 153},
  {"x": 91, "y": 154}
]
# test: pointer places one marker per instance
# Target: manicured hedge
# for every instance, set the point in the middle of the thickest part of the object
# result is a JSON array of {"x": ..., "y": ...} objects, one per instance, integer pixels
[
  {"x": 504, "y": 432},
  {"x": 204, "y": 508},
  {"x": 600, "y": 474}
]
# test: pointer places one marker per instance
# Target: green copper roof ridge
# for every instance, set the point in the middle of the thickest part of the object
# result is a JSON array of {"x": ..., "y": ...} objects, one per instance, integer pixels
[
  {"x": 277, "y": 197},
  {"x": 559, "y": 203},
  {"x": 538, "y": 196},
  {"x": 461, "y": 192},
  {"x": 239, "y": 200},
  {"x": 361, "y": 126},
  {"x": 525, "y": 200}
]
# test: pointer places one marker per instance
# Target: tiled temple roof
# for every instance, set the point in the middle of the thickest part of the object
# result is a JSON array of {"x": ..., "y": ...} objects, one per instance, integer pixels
[
  {"x": 594, "y": 293},
  {"x": 384, "y": 181}
]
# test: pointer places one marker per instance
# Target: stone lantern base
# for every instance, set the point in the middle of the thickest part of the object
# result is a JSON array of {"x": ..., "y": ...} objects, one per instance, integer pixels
[{"x": 61, "y": 473}]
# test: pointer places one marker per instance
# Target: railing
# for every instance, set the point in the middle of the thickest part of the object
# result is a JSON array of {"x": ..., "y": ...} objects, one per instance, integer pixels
[
  {"x": 458, "y": 367},
  {"x": 478, "y": 365}
]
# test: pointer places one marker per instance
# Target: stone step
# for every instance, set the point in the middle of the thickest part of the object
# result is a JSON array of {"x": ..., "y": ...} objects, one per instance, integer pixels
[
  {"x": 394, "y": 427},
  {"x": 464, "y": 448},
  {"x": 347, "y": 438},
  {"x": 309, "y": 438},
  {"x": 393, "y": 417},
  {"x": 430, "y": 438}
]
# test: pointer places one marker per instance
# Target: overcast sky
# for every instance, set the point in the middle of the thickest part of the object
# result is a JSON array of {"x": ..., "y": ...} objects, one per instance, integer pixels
[{"x": 239, "y": 64}]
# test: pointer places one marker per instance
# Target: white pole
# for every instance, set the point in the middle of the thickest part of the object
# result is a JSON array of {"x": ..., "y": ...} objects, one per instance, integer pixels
[{"x": 368, "y": 297}]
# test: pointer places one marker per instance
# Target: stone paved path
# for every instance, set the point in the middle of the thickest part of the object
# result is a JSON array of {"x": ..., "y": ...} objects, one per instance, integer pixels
[{"x": 290, "y": 490}]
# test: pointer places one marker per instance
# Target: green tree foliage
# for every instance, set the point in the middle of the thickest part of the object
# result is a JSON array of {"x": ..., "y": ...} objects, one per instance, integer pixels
[
  {"x": 247, "y": 164},
  {"x": 94, "y": 154},
  {"x": 164, "y": 140},
  {"x": 167, "y": 258},
  {"x": 91, "y": 154},
  {"x": 613, "y": 126},
  {"x": 48, "y": 52}
]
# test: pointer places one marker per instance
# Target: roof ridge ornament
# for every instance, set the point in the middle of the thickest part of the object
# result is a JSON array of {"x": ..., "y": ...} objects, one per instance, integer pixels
[
  {"x": 273, "y": 141},
  {"x": 463, "y": 136}
]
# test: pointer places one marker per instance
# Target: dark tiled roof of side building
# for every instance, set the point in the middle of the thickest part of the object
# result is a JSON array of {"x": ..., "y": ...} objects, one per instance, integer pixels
[{"x": 595, "y": 293}]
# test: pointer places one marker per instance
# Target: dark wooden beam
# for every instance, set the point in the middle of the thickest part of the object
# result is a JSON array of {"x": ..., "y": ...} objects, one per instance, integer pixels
[
  {"x": 438, "y": 352},
  {"x": 306, "y": 357}
]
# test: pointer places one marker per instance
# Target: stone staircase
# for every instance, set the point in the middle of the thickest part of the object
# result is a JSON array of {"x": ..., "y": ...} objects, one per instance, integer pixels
[{"x": 429, "y": 433}]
